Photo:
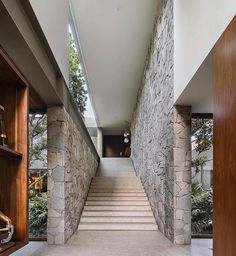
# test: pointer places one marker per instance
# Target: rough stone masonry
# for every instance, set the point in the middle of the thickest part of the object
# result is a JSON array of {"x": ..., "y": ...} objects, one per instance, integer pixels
[
  {"x": 161, "y": 149},
  {"x": 71, "y": 166}
]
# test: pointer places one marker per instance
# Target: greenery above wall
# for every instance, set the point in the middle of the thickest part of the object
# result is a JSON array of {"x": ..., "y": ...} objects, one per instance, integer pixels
[{"x": 76, "y": 78}]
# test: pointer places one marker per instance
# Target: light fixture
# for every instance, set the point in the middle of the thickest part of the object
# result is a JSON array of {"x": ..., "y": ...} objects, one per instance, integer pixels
[
  {"x": 126, "y": 140},
  {"x": 127, "y": 132}
]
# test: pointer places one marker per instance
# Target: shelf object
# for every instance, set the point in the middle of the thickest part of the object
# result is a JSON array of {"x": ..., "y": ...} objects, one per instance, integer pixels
[
  {"x": 14, "y": 158},
  {"x": 7, "y": 152}
]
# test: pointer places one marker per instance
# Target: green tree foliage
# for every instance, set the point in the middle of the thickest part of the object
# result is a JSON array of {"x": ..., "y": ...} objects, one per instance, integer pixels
[
  {"x": 37, "y": 152},
  {"x": 202, "y": 209},
  {"x": 38, "y": 216},
  {"x": 202, "y": 199},
  {"x": 202, "y": 132},
  {"x": 37, "y": 138},
  {"x": 76, "y": 78}
]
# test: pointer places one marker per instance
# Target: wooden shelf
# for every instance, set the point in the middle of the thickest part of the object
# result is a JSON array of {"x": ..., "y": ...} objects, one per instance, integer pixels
[
  {"x": 12, "y": 247},
  {"x": 5, "y": 247},
  {"x": 14, "y": 164},
  {"x": 7, "y": 152}
]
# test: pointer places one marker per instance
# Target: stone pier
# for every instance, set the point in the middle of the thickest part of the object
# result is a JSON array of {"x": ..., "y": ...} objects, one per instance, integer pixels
[{"x": 71, "y": 166}]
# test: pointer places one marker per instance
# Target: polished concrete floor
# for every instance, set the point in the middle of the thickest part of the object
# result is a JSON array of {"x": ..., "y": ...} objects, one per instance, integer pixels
[{"x": 116, "y": 243}]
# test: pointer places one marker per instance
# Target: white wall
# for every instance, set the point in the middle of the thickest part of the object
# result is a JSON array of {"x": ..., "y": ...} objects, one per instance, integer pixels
[
  {"x": 198, "y": 25},
  {"x": 199, "y": 91},
  {"x": 53, "y": 17}
]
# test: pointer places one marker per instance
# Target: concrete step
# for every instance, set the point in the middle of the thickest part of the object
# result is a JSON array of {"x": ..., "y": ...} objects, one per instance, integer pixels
[
  {"x": 116, "y": 187},
  {"x": 134, "y": 178},
  {"x": 119, "y": 226},
  {"x": 117, "y": 220},
  {"x": 121, "y": 182},
  {"x": 117, "y": 213},
  {"x": 117, "y": 208},
  {"x": 115, "y": 190},
  {"x": 117, "y": 203},
  {"x": 126, "y": 194},
  {"x": 116, "y": 198},
  {"x": 135, "y": 181}
]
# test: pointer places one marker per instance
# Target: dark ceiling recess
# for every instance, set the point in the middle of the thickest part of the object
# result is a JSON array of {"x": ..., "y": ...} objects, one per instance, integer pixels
[{"x": 202, "y": 115}]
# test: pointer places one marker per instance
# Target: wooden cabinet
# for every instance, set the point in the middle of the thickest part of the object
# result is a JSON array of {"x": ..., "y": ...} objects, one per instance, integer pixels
[{"x": 14, "y": 158}]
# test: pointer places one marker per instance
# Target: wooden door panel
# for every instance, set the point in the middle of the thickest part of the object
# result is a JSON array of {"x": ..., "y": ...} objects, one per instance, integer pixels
[{"x": 224, "y": 86}]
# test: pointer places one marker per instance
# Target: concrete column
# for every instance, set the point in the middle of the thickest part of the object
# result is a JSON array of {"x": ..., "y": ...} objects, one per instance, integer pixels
[
  {"x": 182, "y": 174},
  {"x": 100, "y": 141}
]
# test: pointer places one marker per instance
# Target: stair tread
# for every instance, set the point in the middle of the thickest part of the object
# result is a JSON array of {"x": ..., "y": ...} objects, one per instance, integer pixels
[
  {"x": 117, "y": 203},
  {"x": 118, "y": 226},
  {"x": 122, "y": 185},
  {"x": 115, "y": 191},
  {"x": 117, "y": 208},
  {"x": 118, "y": 213},
  {"x": 122, "y": 189},
  {"x": 116, "y": 178},
  {"x": 137, "y": 194},
  {"x": 116, "y": 198},
  {"x": 117, "y": 220},
  {"x": 112, "y": 181},
  {"x": 115, "y": 187}
]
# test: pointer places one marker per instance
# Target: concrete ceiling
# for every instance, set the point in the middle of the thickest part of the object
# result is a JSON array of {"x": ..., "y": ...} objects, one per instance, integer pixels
[
  {"x": 114, "y": 36},
  {"x": 199, "y": 92}
]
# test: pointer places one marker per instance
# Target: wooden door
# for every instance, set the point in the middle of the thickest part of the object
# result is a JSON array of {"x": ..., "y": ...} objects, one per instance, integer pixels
[{"x": 224, "y": 80}]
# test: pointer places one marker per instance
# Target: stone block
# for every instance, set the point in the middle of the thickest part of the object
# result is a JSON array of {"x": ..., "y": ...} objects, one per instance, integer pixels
[
  {"x": 60, "y": 239},
  {"x": 54, "y": 214},
  {"x": 183, "y": 202},
  {"x": 57, "y": 203},
  {"x": 52, "y": 159},
  {"x": 58, "y": 190},
  {"x": 58, "y": 174},
  {"x": 50, "y": 239}
]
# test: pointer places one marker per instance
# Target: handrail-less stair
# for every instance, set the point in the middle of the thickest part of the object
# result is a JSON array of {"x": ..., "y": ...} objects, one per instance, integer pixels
[{"x": 117, "y": 203}]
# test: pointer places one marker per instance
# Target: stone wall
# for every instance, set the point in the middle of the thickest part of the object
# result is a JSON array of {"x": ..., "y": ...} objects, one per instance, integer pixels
[
  {"x": 155, "y": 127},
  {"x": 71, "y": 166},
  {"x": 182, "y": 174}
]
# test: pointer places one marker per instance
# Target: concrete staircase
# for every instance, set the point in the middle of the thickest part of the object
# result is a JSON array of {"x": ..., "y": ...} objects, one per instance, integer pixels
[{"x": 117, "y": 203}]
